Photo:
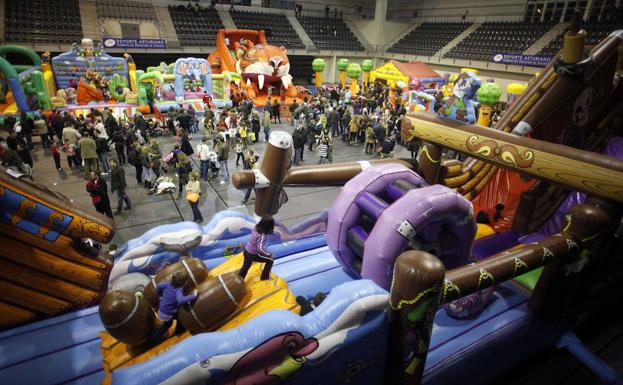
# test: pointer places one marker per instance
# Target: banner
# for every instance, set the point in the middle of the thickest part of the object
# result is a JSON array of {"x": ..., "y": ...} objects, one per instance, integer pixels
[
  {"x": 522, "y": 60},
  {"x": 112, "y": 42}
]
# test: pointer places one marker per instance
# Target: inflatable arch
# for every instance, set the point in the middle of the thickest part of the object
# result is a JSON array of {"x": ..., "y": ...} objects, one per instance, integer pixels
[{"x": 195, "y": 69}]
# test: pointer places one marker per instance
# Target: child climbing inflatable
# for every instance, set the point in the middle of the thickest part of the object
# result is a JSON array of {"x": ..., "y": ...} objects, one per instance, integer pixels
[{"x": 255, "y": 250}]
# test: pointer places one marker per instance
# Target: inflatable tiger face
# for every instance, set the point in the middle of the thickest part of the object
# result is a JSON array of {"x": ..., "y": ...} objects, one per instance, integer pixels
[{"x": 264, "y": 64}]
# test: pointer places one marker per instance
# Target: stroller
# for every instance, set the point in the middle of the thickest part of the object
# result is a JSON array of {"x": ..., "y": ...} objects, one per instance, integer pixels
[{"x": 154, "y": 129}]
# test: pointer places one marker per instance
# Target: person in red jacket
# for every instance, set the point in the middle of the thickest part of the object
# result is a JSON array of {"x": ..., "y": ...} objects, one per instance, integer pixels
[{"x": 98, "y": 190}]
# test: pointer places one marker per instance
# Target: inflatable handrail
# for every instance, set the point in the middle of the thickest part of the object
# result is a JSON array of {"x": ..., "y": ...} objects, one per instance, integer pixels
[
  {"x": 345, "y": 308},
  {"x": 421, "y": 281},
  {"x": 227, "y": 228},
  {"x": 578, "y": 169}
]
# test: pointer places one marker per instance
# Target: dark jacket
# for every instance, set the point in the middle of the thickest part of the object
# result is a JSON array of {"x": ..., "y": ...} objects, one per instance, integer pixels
[
  {"x": 98, "y": 192},
  {"x": 117, "y": 179},
  {"x": 298, "y": 139},
  {"x": 223, "y": 153}
]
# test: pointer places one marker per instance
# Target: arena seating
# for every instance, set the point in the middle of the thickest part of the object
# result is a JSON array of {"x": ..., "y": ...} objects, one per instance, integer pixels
[
  {"x": 595, "y": 33},
  {"x": 195, "y": 27},
  {"x": 119, "y": 9},
  {"x": 428, "y": 38},
  {"x": 42, "y": 21},
  {"x": 330, "y": 33},
  {"x": 498, "y": 37},
  {"x": 278, "y": 29}
]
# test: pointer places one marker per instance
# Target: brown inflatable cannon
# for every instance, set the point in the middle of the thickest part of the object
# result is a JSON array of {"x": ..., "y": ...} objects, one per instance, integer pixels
[
  {"x": 127, "y": 317},
  {"x": 217, "y": 299},
  {"x": 195, "y": 270}
]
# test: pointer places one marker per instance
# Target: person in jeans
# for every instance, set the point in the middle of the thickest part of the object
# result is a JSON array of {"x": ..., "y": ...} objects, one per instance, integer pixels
[
  {"x": 42, "y": 128},
  {"x": 222, "y": 150},
  {"x": 101, "y": 142},
  {"x": 171, "y": 298},
  {"x": 203, "y": 151},
  {"x": 256, "y": 251},
  {"x": 298, "y": 141},
  {"x": 117, "y": 183},
  {"x": 239, "y": 148},
  {"x": 88, "y": 152},
  {"x": 194, "y": 186},
  {"x": 251, "y": 163}
]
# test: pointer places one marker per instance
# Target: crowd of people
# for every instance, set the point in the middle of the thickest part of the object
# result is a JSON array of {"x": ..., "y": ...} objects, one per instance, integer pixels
[{"x": 101, "y": 144}]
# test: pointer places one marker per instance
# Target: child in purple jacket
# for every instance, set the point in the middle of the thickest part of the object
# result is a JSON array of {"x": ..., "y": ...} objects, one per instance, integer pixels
[
  {"x": 171, "y": 297},
  {"x": 255, "y": 250}
]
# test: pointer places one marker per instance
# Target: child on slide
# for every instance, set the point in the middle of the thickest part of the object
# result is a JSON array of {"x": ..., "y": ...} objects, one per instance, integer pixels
[
  {"x": 255, "y": 250},
  {"x": 171, "y": 297}
]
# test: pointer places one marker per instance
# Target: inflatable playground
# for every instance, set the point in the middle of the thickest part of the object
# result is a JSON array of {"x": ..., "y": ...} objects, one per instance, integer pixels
[
  {"x": 243, "y": 66},
  {"x": 416, "y": 290}
]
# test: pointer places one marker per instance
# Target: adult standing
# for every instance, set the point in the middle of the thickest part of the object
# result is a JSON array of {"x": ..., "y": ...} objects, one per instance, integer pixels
[
  {"x": 42, "y": 129},
  {"x": 97, "y": 188},
  {"x": 117, "y": 183},
  {"x": 53, "y": 124},
  {"x": 28, "y": 125},
  {"x": 171, "y": 115},
  {"x": 88, "y": 152},
  {"x": 266, "y": 121},
  {"x": 251, "y": 163},
  {"x": 203, "y": 151},
  {"x": 134, "y": 158},
  {"x": 255, "y": 127},
  {"x": 183, "y": 166},
  {"x": 294, "y": 111},
  {"x": 223, "y": 155},
  {"x": 101, "y": 144},
  {"x": 276, "y": 111},
  {"x": 298, "y": 140},
  {"x": 333, "y": 121},
  {"x": 118, "y": 138},
  {"x": 193, "y": 194},
  {"x": 186, "y": 147}
]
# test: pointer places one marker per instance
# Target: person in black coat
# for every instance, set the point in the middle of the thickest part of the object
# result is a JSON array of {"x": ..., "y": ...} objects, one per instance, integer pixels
[
  {"x": 118, "y": 138},
  {"x": 28, "y": 126},
  {"x": 298, "y": 141},
  {"x": 186, "y": 147},
  {"x": 134, "y": 158},
  {"x": 117, "y": 183}
]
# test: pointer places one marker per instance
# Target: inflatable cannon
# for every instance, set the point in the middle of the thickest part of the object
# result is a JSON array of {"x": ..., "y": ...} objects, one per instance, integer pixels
[
  {"x": 217, "y": 298},
  {"x": 194, "y": 269}
]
